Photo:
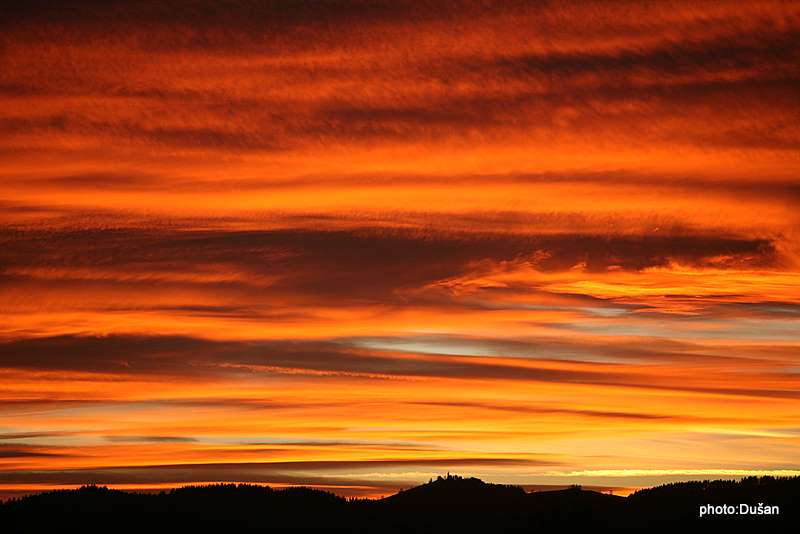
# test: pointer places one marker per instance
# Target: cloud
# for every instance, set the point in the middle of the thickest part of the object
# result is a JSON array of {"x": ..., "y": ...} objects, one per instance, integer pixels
[
  {"x": 185, "y": 356},
  {"x": 350, "y": 265},
  {"x": 271, "y": 472},
  {"x": 546, "y": 410},
  {"x": 25, "y": 453},
  {"x": 28, "y": 435},
  {"x": 334, "y": 85},
  {"x": 150, "y": 439},
  {"x": 180, "y": 356}
]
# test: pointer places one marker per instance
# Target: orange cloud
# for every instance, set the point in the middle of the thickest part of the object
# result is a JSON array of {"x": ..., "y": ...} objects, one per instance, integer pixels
[{"x": 356, "y": 244}]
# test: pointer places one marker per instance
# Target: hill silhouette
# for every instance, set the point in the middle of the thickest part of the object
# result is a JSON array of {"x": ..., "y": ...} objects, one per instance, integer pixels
[{"x": 446, "y": 504}]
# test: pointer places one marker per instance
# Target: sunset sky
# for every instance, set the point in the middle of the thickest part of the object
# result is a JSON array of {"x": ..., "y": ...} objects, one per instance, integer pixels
[{"x": 357, "y": 245}]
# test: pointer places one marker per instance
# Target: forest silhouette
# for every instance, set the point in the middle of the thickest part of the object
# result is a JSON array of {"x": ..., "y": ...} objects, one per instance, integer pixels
[{"x": 446, "y": 504}]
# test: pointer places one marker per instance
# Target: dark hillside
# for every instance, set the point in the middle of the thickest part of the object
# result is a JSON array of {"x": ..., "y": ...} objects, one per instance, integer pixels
[{"x": 446, "y": 504}]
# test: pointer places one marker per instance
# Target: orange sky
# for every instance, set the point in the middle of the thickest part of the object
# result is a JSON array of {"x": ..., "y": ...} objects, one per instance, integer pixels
[{"x": 357, "y": 245}]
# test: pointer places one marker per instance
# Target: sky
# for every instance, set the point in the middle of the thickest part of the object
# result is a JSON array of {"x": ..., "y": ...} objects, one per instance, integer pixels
[{"x": 357, "y": 245}]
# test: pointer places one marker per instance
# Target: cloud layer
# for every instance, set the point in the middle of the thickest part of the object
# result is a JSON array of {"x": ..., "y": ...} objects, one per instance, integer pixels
[{"x": 355, "y": 244}]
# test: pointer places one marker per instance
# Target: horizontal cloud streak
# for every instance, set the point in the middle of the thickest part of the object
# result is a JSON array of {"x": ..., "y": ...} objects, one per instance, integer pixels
[
  {"x": 198, "y": 358},
  {"x": 282, "y": 472}
]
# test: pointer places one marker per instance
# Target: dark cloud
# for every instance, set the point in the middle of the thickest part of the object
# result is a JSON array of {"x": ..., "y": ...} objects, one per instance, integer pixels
[
  {"x": 28, "y": 435},
  {"x": 21, "y": 450},
  {"x": 347, "y": 265},
  {"x": 545, "y": 410},
  {"x": 188, "y": 357},
  {"x": 647, "y": 351},
  {"x": 744, "y": 65},
  {"x": 150, "y": 439},
  {"x": 125, "y": 354},
  {"x": 217, "y": 120},
  {"x": 99, "y": 180},
  {"x": 132, "y": 132},
  {"x": 760, "y": 51},
  {"x": 40, "y": 405},
  {"x": 274, "y": 472},
  {"x": 250, "y": 18},
  {"x": 405, "y": 446},
  {"x": 606, "y": 113},
  {"x": 766, "y": 310}
]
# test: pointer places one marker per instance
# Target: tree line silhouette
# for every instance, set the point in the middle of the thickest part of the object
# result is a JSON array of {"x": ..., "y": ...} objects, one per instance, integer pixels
[{"x": 446, "y": 504}]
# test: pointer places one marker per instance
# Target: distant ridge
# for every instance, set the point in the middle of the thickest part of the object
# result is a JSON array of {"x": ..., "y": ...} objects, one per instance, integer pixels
[{"x": 445, "y": 504}]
